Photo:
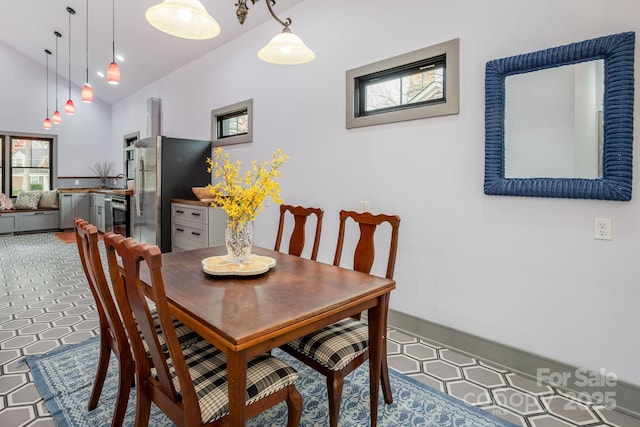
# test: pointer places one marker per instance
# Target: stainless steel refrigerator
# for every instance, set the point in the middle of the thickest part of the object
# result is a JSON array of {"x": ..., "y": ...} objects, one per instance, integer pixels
[{"x": 164, "y": 168}]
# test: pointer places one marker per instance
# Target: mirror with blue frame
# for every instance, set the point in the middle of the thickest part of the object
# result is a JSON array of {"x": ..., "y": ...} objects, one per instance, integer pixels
[{"x": 559, "y": 121}]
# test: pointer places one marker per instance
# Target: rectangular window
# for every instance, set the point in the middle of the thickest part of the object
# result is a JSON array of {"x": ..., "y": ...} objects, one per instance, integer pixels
[
  {"x": 30, "y": 160},
  {"x": 415, "y": 84},
  {"x": 419, "y": 84},
  {"x": 232, "y": 124}
]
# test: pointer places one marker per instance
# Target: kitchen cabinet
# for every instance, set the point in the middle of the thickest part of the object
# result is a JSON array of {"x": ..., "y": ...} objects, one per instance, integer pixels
[
  {"x": 74, "y": 205},
  {"x": 194, "y": 227},
  {"x": 97, "y": 212}
]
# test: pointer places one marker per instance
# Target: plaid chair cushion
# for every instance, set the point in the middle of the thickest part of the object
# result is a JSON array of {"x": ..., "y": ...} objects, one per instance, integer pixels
[
  {"x": 186, "y": 336},
  {"x": 208, "y": 369},
  {"x": 336, "y": 345}
]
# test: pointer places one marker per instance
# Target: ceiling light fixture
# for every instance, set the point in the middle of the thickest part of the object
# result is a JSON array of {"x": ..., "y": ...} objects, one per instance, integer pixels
[
  {"x": 69, "y": 108},
  {"x": 113, "y": 72},
  {"x": 87, "y": 90},
  {"x": 187, "y": 19},
  {"x": 47, "y": 123},
  {"x": 57, "y": 118},
  {"x": 285, "y": 48}
]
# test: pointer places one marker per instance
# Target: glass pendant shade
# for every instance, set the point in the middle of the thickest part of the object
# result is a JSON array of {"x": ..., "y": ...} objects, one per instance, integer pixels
[
  {"x": 187, "y": 19},
  {"x": 113, "y": 74},
  {"x": 57, "y": 117},
  {"x": 87, "y": 93},
  {"x": 47, "y": 124},
  {"x": 69, "y": 107},
  {"x": 286, "y": 48}
]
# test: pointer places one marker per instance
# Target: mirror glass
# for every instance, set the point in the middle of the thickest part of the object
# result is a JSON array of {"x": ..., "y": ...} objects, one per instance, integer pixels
[
  {"x": 568, "y": 101},
  {"x": 559, "y": 121}
]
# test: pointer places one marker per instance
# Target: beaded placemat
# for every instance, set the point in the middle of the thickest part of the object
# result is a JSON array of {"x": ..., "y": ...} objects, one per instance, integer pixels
[{"x": 223, "y": 266}]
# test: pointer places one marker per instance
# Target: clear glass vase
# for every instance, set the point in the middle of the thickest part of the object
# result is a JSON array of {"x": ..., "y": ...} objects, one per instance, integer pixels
[{"x": 238, "y": 238}]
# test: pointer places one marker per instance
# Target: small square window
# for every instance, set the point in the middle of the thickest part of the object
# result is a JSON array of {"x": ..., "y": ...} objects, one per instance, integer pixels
[
  {"x": 232, "y": 124},
  {"x": 415, "y": 85}
]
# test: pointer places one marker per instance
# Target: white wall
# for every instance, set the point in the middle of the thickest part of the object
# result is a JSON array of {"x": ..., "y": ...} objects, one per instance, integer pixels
[
  {"x": 521, "y": 271},
  {"x": 83, "y": 138}
]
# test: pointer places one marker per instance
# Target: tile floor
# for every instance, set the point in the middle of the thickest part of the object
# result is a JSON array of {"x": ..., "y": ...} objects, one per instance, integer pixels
[{"x": 45, "y": 303}]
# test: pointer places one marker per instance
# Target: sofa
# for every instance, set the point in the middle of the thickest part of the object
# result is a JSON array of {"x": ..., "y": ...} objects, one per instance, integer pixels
[{"x": 29, "y": 211}]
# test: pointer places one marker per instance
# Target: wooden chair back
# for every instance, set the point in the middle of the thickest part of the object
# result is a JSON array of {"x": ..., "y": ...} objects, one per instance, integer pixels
[
  {"x": 113, "y": 337},
  {"x": 297, "y": 239},
  {"x": 87, "y": 240},
  {"x": 364, "y": 253},
  {"x": 136, "y": 311}
]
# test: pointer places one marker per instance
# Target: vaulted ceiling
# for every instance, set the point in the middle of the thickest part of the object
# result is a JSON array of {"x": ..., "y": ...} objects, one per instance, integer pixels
[{"x": 28, "y": 26}]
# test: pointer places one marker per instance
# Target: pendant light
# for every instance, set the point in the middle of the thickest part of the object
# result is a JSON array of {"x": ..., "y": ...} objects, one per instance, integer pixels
[
  {"x": 285, "y": 48},
  {"x": 187, "y": 19},
  {"x": 69, "y": 108},
  {"x": 47, "y": 123},
  {"x": 87, "y": 91},
  {"x": 113, "y": 72},
  {"x": 57, "y": 118}
]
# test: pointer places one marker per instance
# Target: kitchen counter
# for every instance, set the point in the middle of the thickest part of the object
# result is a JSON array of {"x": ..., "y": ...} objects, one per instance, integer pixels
[
  {"x": 97, "y": 190},
  {"x": 193, "y": 202}
]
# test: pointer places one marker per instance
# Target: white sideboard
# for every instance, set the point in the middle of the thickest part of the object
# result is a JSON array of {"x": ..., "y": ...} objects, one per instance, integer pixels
[{"x": 196, "y": 225}]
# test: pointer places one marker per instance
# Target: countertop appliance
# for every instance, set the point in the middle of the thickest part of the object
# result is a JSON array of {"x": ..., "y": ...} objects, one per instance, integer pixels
[{"x": 165, "y": 168}]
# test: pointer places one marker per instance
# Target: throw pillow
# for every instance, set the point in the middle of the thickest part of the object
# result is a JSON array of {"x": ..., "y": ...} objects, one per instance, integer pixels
[
  {"x": 5, "y": 202},
  {"x": 49, "y": 199},
  {"x": 28, "y": 199}
]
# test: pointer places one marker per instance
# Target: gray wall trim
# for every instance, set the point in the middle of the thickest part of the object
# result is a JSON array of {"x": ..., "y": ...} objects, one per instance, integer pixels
[{"x": 626, "y": 396}]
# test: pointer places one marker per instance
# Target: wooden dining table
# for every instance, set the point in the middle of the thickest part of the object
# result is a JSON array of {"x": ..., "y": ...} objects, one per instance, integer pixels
[{"x": 247, "y": 316}]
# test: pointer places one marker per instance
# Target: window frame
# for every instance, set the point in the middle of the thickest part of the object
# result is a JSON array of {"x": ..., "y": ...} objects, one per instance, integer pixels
[
  {"x": 227, "y": 111},
  {"x": 6, "y": 157},
  {"x": 398, "y": 65},
  {"x": 2, "y": 167}
]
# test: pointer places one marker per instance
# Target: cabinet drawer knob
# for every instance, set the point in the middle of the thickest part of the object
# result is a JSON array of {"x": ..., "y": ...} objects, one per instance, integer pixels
[
  {"x": 180, "y": 212},
  {"x": 180, "y": 229},
  {"x": 195, "y": 214},
  {"x": 195, "y": 234}
]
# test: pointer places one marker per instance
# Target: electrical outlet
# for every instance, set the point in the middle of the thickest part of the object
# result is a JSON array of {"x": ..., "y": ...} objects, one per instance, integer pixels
[
  {"x": 364, "y": 205},
  {"x": 77, "y": 182},
  {"x": 602, "y": 228}
]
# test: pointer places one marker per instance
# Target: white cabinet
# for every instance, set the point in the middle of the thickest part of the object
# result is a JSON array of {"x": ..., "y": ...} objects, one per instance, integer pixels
[
  {"x": 194, "y": 227},
  {"x": 97, "y": 213},
  {"x": 74, "y": 205}
]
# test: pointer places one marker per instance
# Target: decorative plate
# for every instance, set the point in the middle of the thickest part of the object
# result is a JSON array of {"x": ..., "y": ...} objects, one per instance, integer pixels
[{"x": 223, "y": 266}]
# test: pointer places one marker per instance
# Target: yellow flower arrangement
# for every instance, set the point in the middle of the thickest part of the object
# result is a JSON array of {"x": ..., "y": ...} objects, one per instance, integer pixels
[{"x": 242, "y": 196}]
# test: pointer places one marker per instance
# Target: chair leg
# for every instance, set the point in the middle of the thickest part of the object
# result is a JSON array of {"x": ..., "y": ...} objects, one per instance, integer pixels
[
  {"x": 384, "y": 380},
  {"x": 143, "y": 405},
  {"x": 335, "y": 383},
  {"x": 124, "y": 387},
  {"x": 294, "y": 407},
  {"x": 103, "y": 365}
]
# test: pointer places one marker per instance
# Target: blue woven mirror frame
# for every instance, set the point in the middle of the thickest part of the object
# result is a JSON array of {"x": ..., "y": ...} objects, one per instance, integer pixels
[{"x": 615, "y": 184}]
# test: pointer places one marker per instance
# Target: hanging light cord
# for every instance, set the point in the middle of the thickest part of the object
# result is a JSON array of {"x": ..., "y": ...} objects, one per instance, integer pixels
[
  {"x": 113, "y": 30},
  {"x": 48, "y": 52},
  {"x": 71, "y": 12},
  {"x": 58, "y": 35},
  {"x": 87, "y": 43}
]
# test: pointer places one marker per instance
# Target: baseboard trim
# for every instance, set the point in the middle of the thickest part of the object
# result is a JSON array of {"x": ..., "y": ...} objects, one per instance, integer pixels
[{"x": 626, "y": 396}]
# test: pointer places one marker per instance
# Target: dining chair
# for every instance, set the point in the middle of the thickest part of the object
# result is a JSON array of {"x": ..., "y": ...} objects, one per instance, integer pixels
[
  {"x": 188, "y": 384},
  {"x": 113, "y": 336},
  {"x": 297, "y": 239},
  {"x": 338, "y": 349}
]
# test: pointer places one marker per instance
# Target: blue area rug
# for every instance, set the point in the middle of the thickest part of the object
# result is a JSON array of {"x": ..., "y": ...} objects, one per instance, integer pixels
[{"x": 64, "y": 378}]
